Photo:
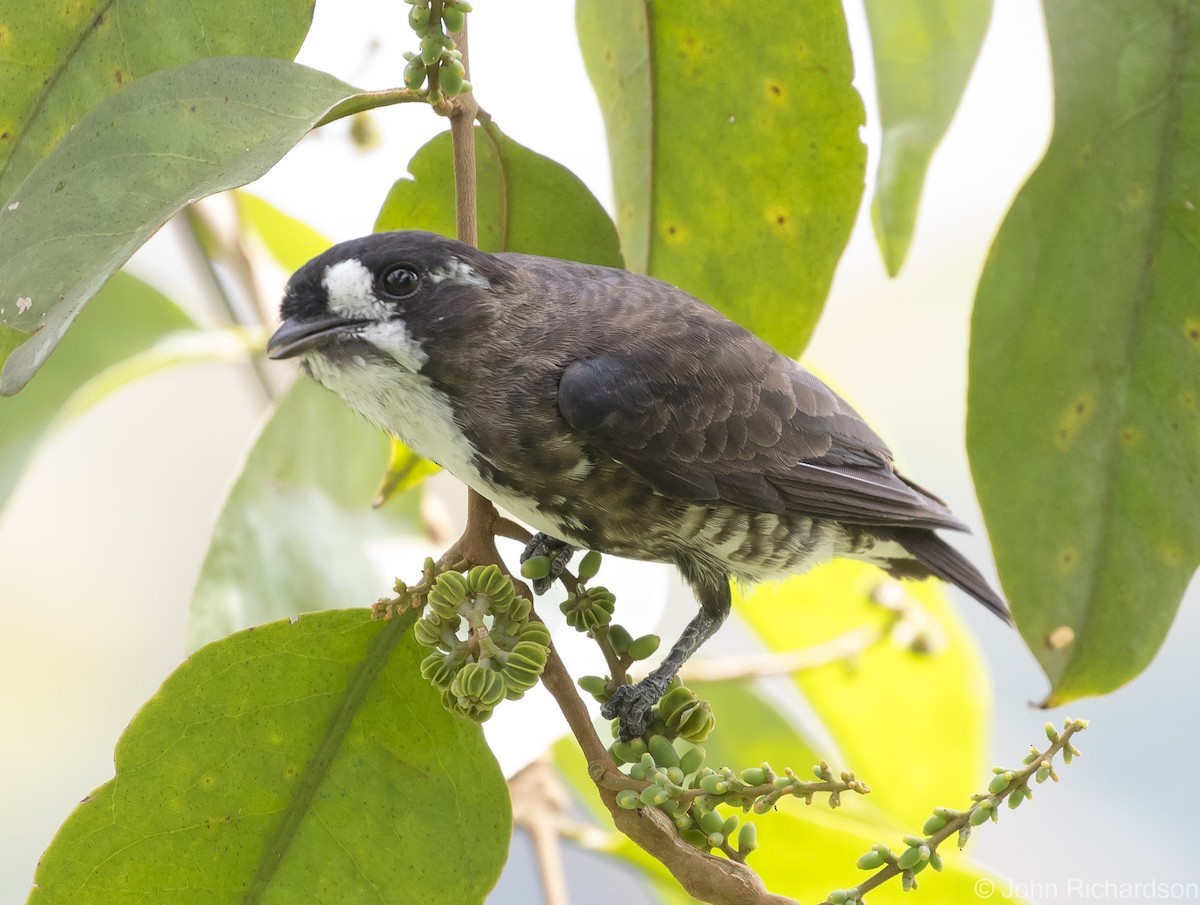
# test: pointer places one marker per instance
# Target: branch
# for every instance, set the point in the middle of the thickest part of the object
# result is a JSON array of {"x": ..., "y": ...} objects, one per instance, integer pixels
[{"x": 1012, "y": 785}]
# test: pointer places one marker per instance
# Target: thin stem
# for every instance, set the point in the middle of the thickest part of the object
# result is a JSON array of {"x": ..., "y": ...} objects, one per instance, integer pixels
[
  {"x": 236, "y": 313},
  {"x": 369, "y": 100},
  {"x": 962, "y": 821}
]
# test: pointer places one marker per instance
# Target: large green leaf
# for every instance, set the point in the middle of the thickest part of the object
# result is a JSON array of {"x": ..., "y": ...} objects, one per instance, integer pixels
[
  {"x": 61, "y": 59},
  {"x": 127, "y": 167},
  {"x": 292, "y": 534},
  {"x": 924, "y": 51},
  {"x": 128, "y": 318},
  {"x": 294, "y": 762},
  {"x": 527, "y": 202},
  {"x": 1084, "y": 420},
  {"x": 736, "y": 159},
  {"x": 932, "y": 707}
]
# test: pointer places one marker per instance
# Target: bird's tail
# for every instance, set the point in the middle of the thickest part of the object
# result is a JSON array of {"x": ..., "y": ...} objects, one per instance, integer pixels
[{"x": 946, "y": 563}]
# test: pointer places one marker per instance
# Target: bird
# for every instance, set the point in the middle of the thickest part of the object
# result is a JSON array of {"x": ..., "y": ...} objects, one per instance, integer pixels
[{"x": 611, "y": 411}]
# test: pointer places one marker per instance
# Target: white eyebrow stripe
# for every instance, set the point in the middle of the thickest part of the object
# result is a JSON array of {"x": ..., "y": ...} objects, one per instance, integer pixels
[
  {"x": 348, "y": 287},
  {"x": 460, "y": 272}
]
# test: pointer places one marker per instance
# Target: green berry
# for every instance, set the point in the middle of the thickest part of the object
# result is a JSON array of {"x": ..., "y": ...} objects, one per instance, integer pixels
[
  {"x": 414, "y": 75},
  {"x": 714, "y": 784},
  {"x": 536, "y": 567},
  {"x": 910, "y": 857},
  {"x": 1000, "y": 782},
  {"x": 643, "y": 647},
  {"x": 628, "y": 799},
  {"x": 453, "y": 18},
  {"x": 663, "y": 751},
  {"x": 747, "y": 840},
  {"x": 593, "y": 685},
  {"x": 431, "y": 50},
  {"x": 418, "y": 18},
  {"x": 935, "y": 861},
  {"x": 695, "y": 838},
  {"x": 870, "y": 861},
  {"x": 933, "y": 824},
  {"x": 692, "y": 760},
  {"x": 589, "y": 566},
  {"x": 754, "y": 776},
  {"x": 619, "y": 638}
]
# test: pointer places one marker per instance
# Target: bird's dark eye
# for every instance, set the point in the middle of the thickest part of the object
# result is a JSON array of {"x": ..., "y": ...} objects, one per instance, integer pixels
[{"x": 399, "y": 282}]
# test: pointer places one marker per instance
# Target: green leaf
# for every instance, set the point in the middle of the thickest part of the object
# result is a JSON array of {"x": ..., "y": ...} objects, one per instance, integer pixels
[
  {"x": 737, "y": 165},
  {"x": 933, "y": 708},
  {"x": 130, "y": 164},
  {"x": 293, "y": 762},
  {"x": 291, "y": 242},
  {"x": 527, "y": 202},
  {"x": 924, "y": 51},
  {"x": 1084, "y": 421},
  {"x": 291, "y": 536},
  {"x": 72, "y": 56},
  {"x": 128, "y": 318}
]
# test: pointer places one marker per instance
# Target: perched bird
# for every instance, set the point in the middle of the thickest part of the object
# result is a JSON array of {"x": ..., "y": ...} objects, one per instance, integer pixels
[{"x": 612, "y": 412}]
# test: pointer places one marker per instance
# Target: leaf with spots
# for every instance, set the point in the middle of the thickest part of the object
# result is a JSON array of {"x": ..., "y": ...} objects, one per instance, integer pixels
[
  {"x": 1084, "y": 403},
  {"x": 294, "y": 532},
  {"x": 923, "y": 51},
  {"x": 132, "y": 163},
  {"x": 294, "y": 762},
  {"x": 737, "y": 165},
  {"x": 58, "y": 60},
  {"x": 127, "y": 319},
  {"x": 527, "y": 202}
]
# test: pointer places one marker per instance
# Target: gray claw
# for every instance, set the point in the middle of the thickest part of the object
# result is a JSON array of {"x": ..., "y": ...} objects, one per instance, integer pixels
[{"x": 631, "y": 704}]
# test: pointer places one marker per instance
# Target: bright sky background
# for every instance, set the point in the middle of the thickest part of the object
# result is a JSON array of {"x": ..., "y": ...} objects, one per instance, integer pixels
[{"x": 101, "y": 544}]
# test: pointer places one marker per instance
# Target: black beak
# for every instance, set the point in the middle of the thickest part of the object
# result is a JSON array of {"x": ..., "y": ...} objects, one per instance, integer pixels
[{"x": 295, "y": 336}]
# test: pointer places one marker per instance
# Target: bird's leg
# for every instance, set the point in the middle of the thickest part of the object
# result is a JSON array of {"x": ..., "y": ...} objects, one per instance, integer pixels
[
  {"x": 559, "y": 553},
  {"x": 631, "y": 703}
]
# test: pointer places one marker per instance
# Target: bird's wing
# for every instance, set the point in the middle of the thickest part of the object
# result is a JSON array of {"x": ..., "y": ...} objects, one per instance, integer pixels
[{"x": 729, "y": 420}]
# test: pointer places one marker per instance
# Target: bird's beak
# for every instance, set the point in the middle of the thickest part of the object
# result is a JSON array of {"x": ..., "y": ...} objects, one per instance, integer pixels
[{"x": 295, "y": 336}]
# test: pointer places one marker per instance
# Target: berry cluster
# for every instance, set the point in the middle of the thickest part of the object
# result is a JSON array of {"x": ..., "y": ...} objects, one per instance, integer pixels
[
  {"x": 439, "y": 61},
  {"x": 689, "y": 792},
  {"x": 486, "y": 648}
]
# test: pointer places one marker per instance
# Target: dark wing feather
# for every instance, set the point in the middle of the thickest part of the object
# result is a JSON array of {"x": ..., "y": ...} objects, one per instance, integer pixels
[{"x": 719, "y": 417}]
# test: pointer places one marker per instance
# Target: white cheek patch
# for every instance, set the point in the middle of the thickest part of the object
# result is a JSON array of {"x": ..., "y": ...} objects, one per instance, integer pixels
[
  {"x": 348, "y": 287},
  {"x": 392, "y": 338},
  {"x": 456, "y": 271}
]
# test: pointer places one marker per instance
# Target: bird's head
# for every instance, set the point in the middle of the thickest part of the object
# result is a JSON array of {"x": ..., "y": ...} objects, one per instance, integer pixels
[{"x": 393, "y": 294}]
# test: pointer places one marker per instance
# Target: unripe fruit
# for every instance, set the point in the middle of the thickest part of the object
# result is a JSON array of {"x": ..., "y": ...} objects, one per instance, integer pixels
[
  {"x": 619, "y": 638},
  {"x": 909, "y": 858},
  {"x": 453, "y": 18},
  {"x": 747, "y": 840},
  {"x": 663, "y": 751},
  {"x": 933, "y": 824},
  {"x": 643, "y": 647},
  {"x": 693, "y": 760},
  {"x": 418, "y": 18},
  {"x": 628, "y": 799},
  {"x": 593, "y": 685},
  {"x": 536, "y": 567},
  {"x": 414, "y": 75},
  {"x": 589, "y": 566},
  {"x": 870, "y": 861},
  {"x": 754, "y": 776}
]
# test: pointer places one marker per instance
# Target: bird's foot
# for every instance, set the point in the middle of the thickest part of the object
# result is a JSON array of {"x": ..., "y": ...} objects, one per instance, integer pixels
[
  {"x": 631, "y": 704},
  {"x": 558, "y": 552}
]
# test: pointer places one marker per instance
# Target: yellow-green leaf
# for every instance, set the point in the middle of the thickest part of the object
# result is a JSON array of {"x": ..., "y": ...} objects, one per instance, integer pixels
[
  {"x": 923, "y": 51},
  {"x": 733, "y": 133},
  {"x": 1084, "y": 403},
  {"x": 931, "y": 707}
]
